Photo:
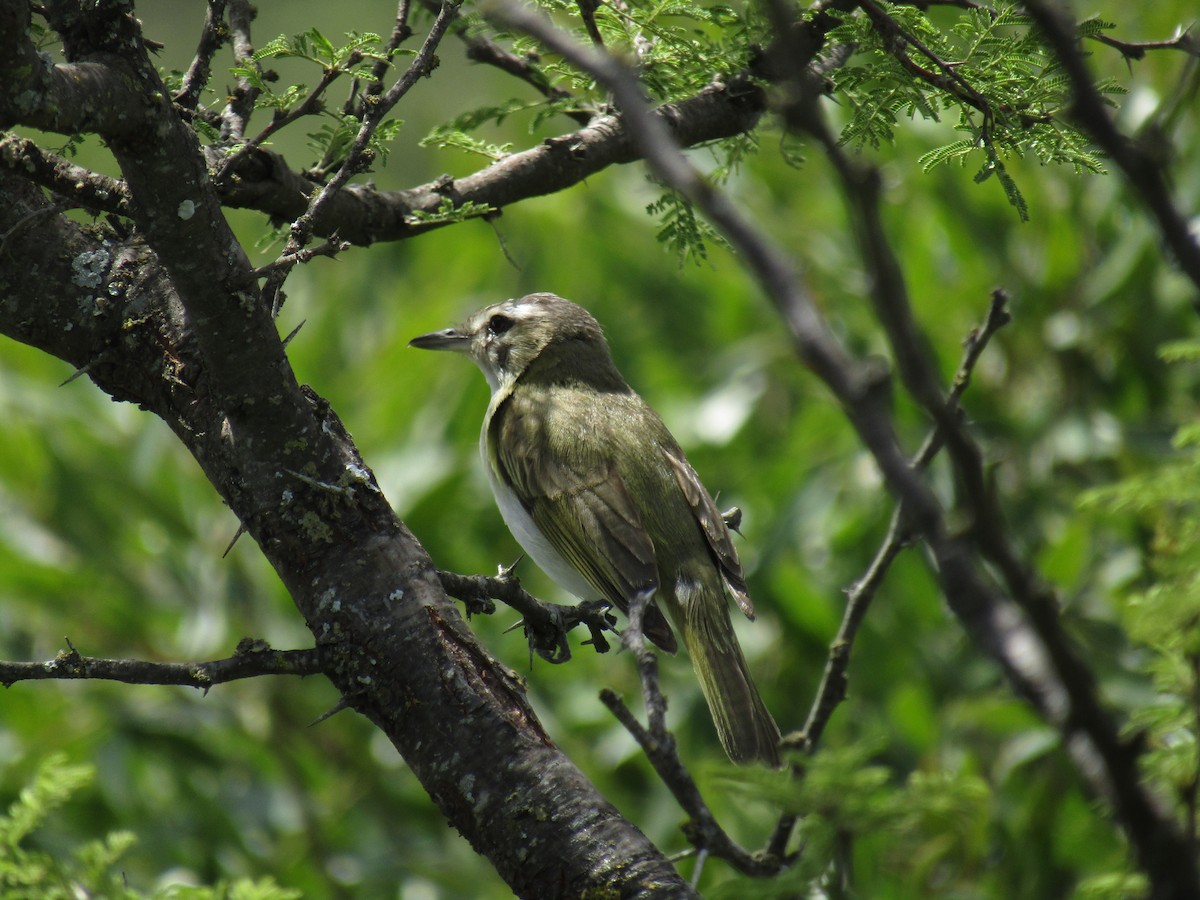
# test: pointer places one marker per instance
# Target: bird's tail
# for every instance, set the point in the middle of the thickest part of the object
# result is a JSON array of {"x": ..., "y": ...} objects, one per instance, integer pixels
[{"x": 744, "y": 725}]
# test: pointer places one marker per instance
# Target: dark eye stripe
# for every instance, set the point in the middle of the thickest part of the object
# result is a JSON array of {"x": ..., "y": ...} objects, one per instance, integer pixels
[{"x": 498, "y": 324}]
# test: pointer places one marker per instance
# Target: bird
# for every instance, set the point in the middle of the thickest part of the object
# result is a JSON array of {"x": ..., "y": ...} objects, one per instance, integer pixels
[{"x": 599, "y": 493}]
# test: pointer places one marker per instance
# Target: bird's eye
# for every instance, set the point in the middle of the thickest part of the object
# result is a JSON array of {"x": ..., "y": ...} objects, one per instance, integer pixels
[{"x": 498, "y": 324}]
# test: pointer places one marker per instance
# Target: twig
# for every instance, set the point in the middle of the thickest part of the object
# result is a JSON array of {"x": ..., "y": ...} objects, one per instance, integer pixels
[
  {"x": 236, "y": 114},
  {"x": 1141, "y": 168},
  {"x": 310, "y": 105},
  {"x": 660, "y": 748},
  {"x": 401, "y": 32},
  {"x": 482, "y": 49},
  {"x": 1183, "y": 40},
  {"x": 330, "y": 248},
  {"x": 211, "y": 39},
  {"x": 587, "y": 12},
  {"x": 832, "y": 690},
  {"x": 301, "y": 232},
  {"x": 546, "y": 624},
  {"x": 250, "y": 660}
]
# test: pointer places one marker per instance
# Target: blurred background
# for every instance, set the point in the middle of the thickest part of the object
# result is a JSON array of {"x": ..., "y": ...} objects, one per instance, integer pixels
[{"x": 111, "y": 537}]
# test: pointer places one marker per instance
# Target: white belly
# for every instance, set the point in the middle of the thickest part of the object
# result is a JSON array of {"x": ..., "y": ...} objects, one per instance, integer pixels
[{"x": 530, "y": 537}]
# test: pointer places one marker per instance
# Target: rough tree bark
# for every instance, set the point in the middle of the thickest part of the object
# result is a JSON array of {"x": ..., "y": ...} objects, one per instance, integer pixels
[{"x": 171, "y": 317}]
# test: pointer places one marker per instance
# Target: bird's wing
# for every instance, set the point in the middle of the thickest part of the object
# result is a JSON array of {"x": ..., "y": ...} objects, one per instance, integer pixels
[
  {"x": 581, "y": 505},
  {"x": 712, "y": 523}
]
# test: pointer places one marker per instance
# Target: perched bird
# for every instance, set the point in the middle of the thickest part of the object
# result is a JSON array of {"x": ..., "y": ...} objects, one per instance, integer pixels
[{"x": 598, "y": 492}]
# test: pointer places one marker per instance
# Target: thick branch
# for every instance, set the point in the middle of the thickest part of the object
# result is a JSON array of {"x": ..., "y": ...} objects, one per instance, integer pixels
[
  {"x": 75, "y": 183},
  {"x": 363, "y": 215},
  {"x": 198, "y": 347}
]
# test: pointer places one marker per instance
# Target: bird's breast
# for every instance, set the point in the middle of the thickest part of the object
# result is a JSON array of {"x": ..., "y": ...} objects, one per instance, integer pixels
[{"x": 527, "y": 533}]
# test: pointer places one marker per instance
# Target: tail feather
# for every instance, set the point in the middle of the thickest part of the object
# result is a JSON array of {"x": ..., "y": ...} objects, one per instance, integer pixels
[{"x": 745, "y": 726}]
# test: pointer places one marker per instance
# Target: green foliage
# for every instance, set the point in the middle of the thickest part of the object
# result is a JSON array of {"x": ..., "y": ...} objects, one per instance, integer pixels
[
  {"x": 991, "y": 67},
  {"x": 91, "y": 869},
  {"x": 355, "y": 57},
  {"x": 448, "y": 137},
  {"x": 447, "y": 212},
  {"x": 681, "y": 230},
  {"x": 332, "y": 141},
  {"x": 859, "y": 824},
  {"x": 1162, "y": 613}
]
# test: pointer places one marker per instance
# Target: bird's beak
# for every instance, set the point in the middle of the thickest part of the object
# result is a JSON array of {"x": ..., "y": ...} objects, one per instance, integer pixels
[{"x": 446, "y": 339}]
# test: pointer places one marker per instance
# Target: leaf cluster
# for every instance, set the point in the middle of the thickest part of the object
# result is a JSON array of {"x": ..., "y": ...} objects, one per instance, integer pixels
[
  {"x": 991, "y": 67},
  {"x": 1161, "y": 613},
  {"x": 89, "y": 870}
]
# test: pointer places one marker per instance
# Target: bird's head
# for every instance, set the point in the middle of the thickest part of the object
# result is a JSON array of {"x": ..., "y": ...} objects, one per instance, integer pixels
[{"x": 540, "y": 333}]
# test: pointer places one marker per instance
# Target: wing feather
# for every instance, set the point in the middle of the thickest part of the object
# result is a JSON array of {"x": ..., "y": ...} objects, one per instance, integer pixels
[
  {"x": 582, "y": 506},
  {"x": 712, "y": 524}
]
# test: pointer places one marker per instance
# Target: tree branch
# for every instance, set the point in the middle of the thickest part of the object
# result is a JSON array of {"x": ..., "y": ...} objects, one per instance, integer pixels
[
  {"x": 363, "y": 215},
  {"x": 251, "y": 660},
  {"x": 212, "y": 37},
  {"x": 199, "y": 348},
  {"x": 74, "y": 183},
  {"x": 546, "y": 624},
  {"x": 1143, "y": 171},
  {"x": 832, "y": 689}
]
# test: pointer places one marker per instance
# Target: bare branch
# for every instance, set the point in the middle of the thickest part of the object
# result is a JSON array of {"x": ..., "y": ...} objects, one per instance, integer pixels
[
  {"x": 546, "y": 624},
  {"x": 74, "y": 183},
  {"x": 832, "y": 690},
  {"x": 236, "y": 114},
  {"x": 251, "y": 660},
  {"x": 1182, "y": 40},
  {"x": 1143, "y": 170},
  {"x": 482, "y": 49},
  {"x": 211, "y": 39},
  {"x": 401, "y": 32},
  {"x": 659, "y": 745}
]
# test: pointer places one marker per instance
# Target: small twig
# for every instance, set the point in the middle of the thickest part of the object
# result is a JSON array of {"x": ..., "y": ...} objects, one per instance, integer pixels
[
  {"x": 302, "y": 229},
  {"x": 198, "y": 72},
  {"x": 250, "y": 660},
  {"x": 832, "y": 690},
  {"x": 482, "y": 49},
  {"x": 401, "y": 32},
  {"x": 330, "y": 248},
  {"x": 1141, "y": 168},
  {"x": 237, "y": 111},
  {"x": 1183, "y": 40},
  {"x": 546, "y": 624},
  {"x": 587, "y": 12}
]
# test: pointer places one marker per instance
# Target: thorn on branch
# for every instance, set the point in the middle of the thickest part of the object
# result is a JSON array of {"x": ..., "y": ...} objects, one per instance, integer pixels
[
  {"x": 250, "y": 659},
  {"x": 546, "y": 624}
]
